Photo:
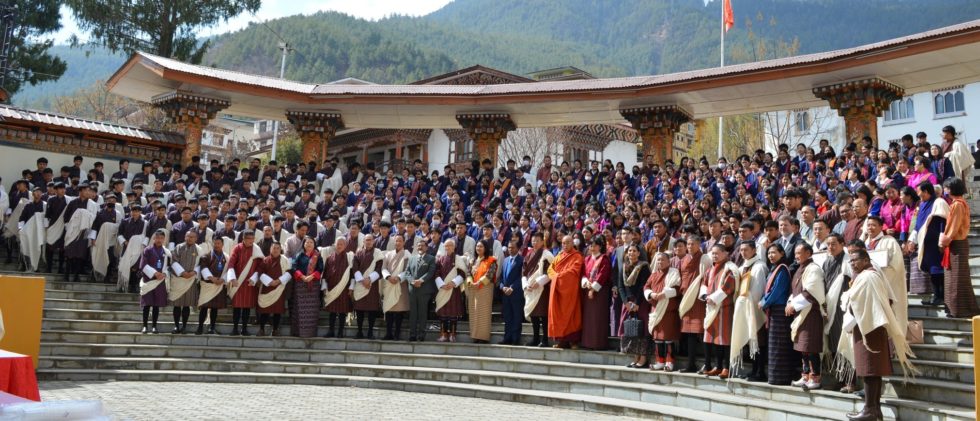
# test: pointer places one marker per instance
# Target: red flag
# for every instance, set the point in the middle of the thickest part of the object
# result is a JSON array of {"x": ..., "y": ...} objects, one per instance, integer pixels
[{"x": 728, "y": 15}]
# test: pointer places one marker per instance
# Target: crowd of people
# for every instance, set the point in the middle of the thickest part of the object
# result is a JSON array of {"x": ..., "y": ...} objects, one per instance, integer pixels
[{"x": 796, "y": 261}]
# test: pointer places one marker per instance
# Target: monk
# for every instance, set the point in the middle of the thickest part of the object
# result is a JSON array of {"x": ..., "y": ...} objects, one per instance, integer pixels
[{"x": 565, "y": 311}]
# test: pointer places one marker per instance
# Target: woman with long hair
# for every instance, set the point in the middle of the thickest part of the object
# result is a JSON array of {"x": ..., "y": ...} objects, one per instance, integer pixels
[
  {"x": 782, "y": 361},
  {"x": 479, "y": 292},
  {"x": 630, "y": 288}
]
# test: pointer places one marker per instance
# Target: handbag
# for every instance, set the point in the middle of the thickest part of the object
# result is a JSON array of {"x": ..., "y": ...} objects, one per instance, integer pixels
[
  {"x": 914, "y": 334},
  {"x": 632, "y": 326}
]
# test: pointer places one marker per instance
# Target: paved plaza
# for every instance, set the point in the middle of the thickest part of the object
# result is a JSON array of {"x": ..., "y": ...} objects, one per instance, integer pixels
[{"x": 221, "y": 401}]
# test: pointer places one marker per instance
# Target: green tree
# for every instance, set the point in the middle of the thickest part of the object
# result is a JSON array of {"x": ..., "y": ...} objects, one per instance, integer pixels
[
  {"x": 30, "y": 62},
  {"x": 163, "y": 27},
  {"x": 289, "y": 149}
]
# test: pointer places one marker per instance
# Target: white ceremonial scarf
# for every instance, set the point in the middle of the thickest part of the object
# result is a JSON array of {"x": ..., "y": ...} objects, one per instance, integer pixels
[
  {"x": 393, "y": 266},
  {"x": 105, "y": 239},
  {"x": 459, "y": 269},
  {"x": 691, "y": 295},
  {"x": 712, "y": 310},
  {"x": 130, "y": 256},
  {"x": 533, "y": 296},
  {"x": 748, "y": 318},
  {"x": 866, "y": 308},
  {"x": 813, "y": 284},
  {"x": 58, "y": 227},
  {"x": 360, "y": 291},
  {"x": 270, "y": 298},
  {"x": 32, "y": 240}
]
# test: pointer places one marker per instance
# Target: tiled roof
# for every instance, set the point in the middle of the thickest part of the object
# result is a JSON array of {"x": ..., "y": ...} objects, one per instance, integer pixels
[
  {"x": 8, "y": 112},
  {"x": 554, "y": 86}
]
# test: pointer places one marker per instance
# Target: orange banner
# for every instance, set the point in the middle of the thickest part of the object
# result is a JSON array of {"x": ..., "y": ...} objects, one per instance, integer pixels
[{"x": 22, "y": 303}]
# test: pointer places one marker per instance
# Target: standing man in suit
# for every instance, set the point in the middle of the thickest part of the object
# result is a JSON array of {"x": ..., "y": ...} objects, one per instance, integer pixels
[
  {"x": 420, "y": 274},
  {"x": 513, "y": 294}
]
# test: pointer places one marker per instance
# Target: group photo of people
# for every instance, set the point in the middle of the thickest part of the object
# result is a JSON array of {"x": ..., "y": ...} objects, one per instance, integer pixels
[{"x": 793, "y": 267}]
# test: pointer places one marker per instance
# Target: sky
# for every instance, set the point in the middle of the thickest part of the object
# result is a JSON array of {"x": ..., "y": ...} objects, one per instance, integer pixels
[{"x": 272, "y": 9}]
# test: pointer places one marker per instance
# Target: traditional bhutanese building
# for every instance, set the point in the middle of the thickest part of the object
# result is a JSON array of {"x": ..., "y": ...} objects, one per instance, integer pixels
[
  {"x": 26, "y": 135},
  {"x": 394, "y": 148}
]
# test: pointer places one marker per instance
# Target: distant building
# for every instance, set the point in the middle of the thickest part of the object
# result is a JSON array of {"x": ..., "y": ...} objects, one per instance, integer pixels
[{"x": 930, "y": 111}]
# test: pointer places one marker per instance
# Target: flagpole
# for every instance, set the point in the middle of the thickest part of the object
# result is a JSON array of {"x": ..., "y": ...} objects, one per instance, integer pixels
[{"x": 721, "y": 121}]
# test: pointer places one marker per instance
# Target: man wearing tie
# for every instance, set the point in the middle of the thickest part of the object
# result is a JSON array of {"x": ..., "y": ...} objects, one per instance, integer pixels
[
  {"x": 420, "y": 273},
  {"x": 513, "y": 300}
]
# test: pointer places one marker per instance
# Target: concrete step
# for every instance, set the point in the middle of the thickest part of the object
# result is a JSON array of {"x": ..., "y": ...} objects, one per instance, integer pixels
[
  {"x": 947, "y": 353},
  {"x": 710, "y": 395},
  {"x": 932, "y": 390},
  {"x": 942, "y": 370},
  {"x": 584, "y": 402},
  {"x": 165, "y": 337}
]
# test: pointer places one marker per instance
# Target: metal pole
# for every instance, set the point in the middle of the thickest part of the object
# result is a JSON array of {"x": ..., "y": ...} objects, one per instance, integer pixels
[
  {"x": 721, "y": 121},
  {"x": 275, "y": 124}
]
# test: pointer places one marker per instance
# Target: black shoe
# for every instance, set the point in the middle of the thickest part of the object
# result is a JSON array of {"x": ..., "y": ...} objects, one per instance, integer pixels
[
  {"x": 200, "y": 330},
  {"x": 412, "y": 339},
  {"x": 176, "y": 330},
  {"x": 533, "y": 342},
  {"x": 245, "y": 332},
  {"x": 505, "y": 343},
  {"x": 388, "y": 337},
  {"x": 212, "y": 331},
  {"x": 370, "y": 335},
  {"x": 329, "y": 335},
  {"x": 261, "y": 331},
  {"x": 154, "y": 330},
  {"x": 689, "y": 369},
  {"x": 234, "y": 332},
  {"x": 145, "y": 330},
  {"x": 359, "y": 335},
  {"x": 755, "y": 378},
  {"x": 544, "y": 344}
]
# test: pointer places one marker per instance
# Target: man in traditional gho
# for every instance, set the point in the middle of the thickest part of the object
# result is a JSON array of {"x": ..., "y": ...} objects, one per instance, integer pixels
[
  {"x": 184, "y": 271},
  {"x": 242, "y": 276},
  {"x": 837, "y": 280},
  {"x": 894, "y": 271},
  {"x": 365, "y": 290},
  {"x": 335, "y": 286},
  {"x": 806, "y": 302},
  {"x": 450, "y": 270},
  {"x": 274, "y": 277},
  {"x": 212, "y": 297},
  {"x": 537, "y": 290},
  {"x": 748, "y": 326},
  {"x": 78, "y": 218},
  {"x": 55, "y": 227},
  {"x": 153, "y": 287},
  {"x": 693, "y": 268},
  {"x": 565, "y": 308},
  {"x": 394, "y": 291},
  {"x": 131, "y": 239},
  {"x": 870, "y": 330},
  {"x": 718, "y": 293},
  {"x": 664, "y": 322}
]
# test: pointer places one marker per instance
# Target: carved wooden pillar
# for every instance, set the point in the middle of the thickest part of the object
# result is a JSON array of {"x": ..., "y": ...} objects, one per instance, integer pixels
[
  {"x": 860, "y": 102},
  {"x": 192, "y": 113},
  {"x": 315, "y": 129},
  {"x": 657, "y": 125},
  {"x": 487, "y": 131}
]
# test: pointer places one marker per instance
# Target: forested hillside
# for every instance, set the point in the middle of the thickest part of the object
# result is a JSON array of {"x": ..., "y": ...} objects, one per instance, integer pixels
[{"x": 607, "y": 38}]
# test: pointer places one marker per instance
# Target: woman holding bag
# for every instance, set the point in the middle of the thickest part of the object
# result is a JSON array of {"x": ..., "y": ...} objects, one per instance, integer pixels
[{"x": 635, "y": 339}]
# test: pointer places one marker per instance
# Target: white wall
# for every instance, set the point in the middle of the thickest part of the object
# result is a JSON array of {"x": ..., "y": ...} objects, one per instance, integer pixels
[
  {"x": 967, "y": 124},
  {"x": 438, "y": 145},
  {"x": 620, "y": 151},
  {"x": 14, "y": 159}
]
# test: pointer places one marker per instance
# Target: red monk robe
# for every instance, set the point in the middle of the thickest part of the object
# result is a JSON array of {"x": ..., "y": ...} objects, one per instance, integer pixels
[{"x": 565, "y": 311}]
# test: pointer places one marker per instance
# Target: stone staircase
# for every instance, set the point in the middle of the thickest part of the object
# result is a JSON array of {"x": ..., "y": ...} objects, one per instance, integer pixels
[{"x": 90, "y": 334}]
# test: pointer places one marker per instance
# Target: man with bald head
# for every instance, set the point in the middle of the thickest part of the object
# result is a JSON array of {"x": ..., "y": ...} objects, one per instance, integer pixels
[
  {"x": 855, "y": 227},
  {"x": 565, "y": 310}
]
